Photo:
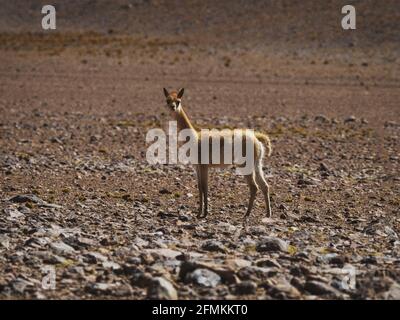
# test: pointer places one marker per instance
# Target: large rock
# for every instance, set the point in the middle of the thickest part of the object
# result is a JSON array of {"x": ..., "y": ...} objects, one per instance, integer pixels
[
  {"x": 19, "y": 285},
  {"x": 160, "y": 288},
  {"x": 319, "y": 288},
  {"x": 164, "y": 252},
  {"x": 281, "y": 289},
  {"x": 111, "y": 265},
  {"x": 393, "y": 293},
  {"x": 213, "y": 245},
  {"x": 256, "y": 273},
  {"x": 227, "y": 274},
  {"x": 119, "y": 290},
  {"x": 95, "y": 257},
  {"x": 237, "y": 263},
  {"x": 268, "y": 263},
  {"x": 332, "y": 258},
  {"x": 141, "y": 279},
  {"x": 246, "y": 287},
  {"x": 204, "y": 278},
  {"x": 4, "y": 241},
  {"x": 61, "y": 248},
  {"x": 272, "y": 244},
  {"x": 100, "y": 288}
]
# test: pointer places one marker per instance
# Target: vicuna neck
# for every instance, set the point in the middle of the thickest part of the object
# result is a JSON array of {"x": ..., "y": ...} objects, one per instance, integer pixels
[{"x": 183, "y": 121}]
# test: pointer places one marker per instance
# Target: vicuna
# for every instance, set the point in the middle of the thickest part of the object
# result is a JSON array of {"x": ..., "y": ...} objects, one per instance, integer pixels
[{"x": 259, "y": 143}]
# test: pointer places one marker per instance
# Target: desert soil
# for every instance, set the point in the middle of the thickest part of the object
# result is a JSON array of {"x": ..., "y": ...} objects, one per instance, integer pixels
[{"x": 77, "y": 193}]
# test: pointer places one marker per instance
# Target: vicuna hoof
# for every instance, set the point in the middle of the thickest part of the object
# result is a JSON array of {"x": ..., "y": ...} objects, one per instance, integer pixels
[{"x": 200, "y": 216}]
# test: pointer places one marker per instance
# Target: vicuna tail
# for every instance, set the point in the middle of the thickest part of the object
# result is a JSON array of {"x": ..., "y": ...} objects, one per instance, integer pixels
[{"x": 265, "y": 140}]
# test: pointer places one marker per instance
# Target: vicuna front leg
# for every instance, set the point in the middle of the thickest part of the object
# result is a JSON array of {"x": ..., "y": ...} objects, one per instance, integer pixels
[
  {"x": 200, "y": 192},
  {"x": 202, "y": 183},
  {"x": 204, "y": 186}
]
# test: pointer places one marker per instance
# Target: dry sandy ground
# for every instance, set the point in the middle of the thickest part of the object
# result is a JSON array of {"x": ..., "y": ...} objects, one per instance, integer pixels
[{"x": 76, "y": 106}]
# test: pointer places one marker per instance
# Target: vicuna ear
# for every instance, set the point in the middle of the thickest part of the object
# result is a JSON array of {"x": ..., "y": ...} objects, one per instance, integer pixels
[
  {"x": 166, "y": 92},
  {"x": 180, "y": 93}
]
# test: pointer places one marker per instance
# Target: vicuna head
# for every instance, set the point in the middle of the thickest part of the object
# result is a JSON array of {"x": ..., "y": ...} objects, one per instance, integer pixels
[{"x": 174, "y": 99}]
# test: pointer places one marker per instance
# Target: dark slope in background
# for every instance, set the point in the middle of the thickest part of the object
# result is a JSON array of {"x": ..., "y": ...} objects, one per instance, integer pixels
[{"x": 306, "y": 23}]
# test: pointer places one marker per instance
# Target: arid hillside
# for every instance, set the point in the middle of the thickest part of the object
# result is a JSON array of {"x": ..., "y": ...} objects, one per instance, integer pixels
[{"x": 78, "y": 196}]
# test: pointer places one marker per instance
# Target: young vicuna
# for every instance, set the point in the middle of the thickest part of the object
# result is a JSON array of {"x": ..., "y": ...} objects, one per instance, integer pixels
[{"x": 250, "y": 140}]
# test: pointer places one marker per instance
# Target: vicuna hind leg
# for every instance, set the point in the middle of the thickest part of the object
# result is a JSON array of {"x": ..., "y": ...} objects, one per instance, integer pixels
[
  {"x": 264, "y": 187},
  {"x": 201, "y": 196},
  {"x": 253, "y": 191}
]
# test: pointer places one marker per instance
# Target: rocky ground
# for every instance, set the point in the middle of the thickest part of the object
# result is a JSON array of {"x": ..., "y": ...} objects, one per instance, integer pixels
[{"x": 78, "y": 195}]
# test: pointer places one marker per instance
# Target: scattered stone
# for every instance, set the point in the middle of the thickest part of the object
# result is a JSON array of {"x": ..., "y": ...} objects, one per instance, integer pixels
[
  {"x": 391, "y": 124},
  {"x": 323, "y": 167},
  {"x": 271, "y": 244},
  {"x": 55, "y": 140},
  {"x": 364, "y": 121},
  {"x": 14, "y": 213},
  {"x": 95, "y": 257},
  {"x": 139, "y": 279},
  {"x": 246, "y": 287},
  {"x": 393, "y": 293},
  {"x": 164, "y": 252},
  {"x": 161, "y": 289},
  {"x": 164, "y": 191},
  {"x": 50, "y": 258},
  {"x": 184, "y": 217},
  {"x": 4, "y": 241},
  {"x": 283, "y": 207},
  {"x": 369, "y": 260},
  {"x": 319, "y": 288},
  {"x": 268, "y": 263},
  {"x": 257, "y": 230},
  {"x": 146, "y": 258},
  {"x": 380, "y": 229},
  {"x": 99, "y": 287},
  {"x": 332, "y": 258},
  {"x": 303, "y": 181},
  {"x": 322, "y": 118},
  {"x": 237, "y": 263},
  {"x": 256, "y": 273},
  {"x": 283, "y": 216},
  {"x": 299, "y": 271},
  {"x": 111, "y": 265},
  {"x": 281, "y": 289},
  {"x": 141, "y": 243},
  {"x": 134, "y": 260},
  {"x": 61, "y": 248},
  {"x": 213, "y": 245},
  {"x": 98, "y": 242},
  {"x": 22, "y": 198},
  {"x": 226, "y": 227},
  {"x": 20, "y": 285},
  {"x": 85, "y": 242},
  {"x": 227, "y": 274},
  {"x": 297, "y": 283},
  {"x": 95, "y": 138},
  {"x": 204, "y": 278},
  {"x": 350, "y": 119}
]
